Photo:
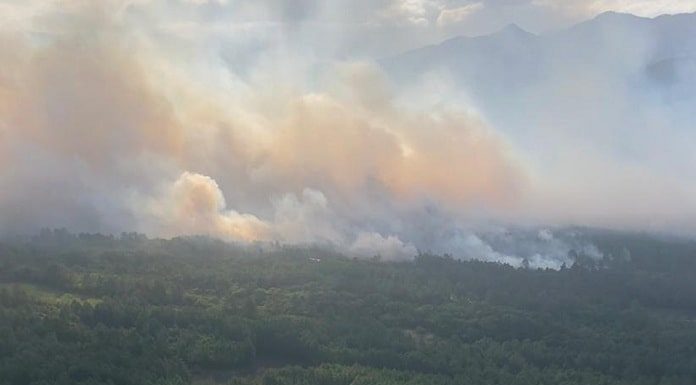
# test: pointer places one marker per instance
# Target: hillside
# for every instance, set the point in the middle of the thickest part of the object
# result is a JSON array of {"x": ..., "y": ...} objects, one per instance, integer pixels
[{"x": 591, "y": 79}]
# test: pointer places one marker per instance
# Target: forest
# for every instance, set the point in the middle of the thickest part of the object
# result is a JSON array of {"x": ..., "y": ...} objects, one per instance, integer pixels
[{"x": 127, "y": 310}]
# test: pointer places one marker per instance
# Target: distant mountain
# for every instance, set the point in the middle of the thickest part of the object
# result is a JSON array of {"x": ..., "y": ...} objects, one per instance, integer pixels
[
  {"x": 513, "y": 57},
  {"x": 509, "y": 57},
  {"x": 512, "y": 75}
]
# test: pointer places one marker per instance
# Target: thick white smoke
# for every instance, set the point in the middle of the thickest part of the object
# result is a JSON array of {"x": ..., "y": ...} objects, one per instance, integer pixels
[
  {"x": 188, "y": 118},
  {"x": 108, "y": 132}
]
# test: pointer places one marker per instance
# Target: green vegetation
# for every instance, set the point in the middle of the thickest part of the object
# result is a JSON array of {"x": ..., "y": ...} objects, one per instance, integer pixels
[{"x": 102, "y": 310}]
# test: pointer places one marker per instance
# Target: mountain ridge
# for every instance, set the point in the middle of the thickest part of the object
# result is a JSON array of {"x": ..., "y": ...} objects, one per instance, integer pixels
[{"x": 514, "y": 29}]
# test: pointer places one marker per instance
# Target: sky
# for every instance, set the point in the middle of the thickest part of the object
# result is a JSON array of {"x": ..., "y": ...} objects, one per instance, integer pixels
[
  {"x": 345, "y": 28},
  {"x": 273, "y": 120}
]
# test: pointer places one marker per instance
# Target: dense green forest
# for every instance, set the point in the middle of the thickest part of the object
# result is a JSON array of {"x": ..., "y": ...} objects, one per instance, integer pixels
[{"x": 92, "y": 309}]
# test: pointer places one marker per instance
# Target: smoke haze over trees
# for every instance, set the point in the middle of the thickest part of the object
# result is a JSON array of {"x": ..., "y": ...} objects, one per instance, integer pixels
[{"x": 234, "y": 120}]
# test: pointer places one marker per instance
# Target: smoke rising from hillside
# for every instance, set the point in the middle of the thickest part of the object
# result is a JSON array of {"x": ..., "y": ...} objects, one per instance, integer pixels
[
  {"x": 111, "y": 122},
  {"x": 102, "y": 130}
]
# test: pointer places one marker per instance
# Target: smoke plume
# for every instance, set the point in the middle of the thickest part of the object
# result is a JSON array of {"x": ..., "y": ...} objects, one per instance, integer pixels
[
  {"x": 184, "y": 117},
  {"x": 102, "y": 130}
]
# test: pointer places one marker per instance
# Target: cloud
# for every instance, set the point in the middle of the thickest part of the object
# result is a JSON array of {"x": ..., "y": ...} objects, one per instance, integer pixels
[
  {"x": 459, "y": 14},
  {"x": 644, "y": 8},
  {"x": 414, "y": 12},
  {"x": 206, "y": 2}
]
